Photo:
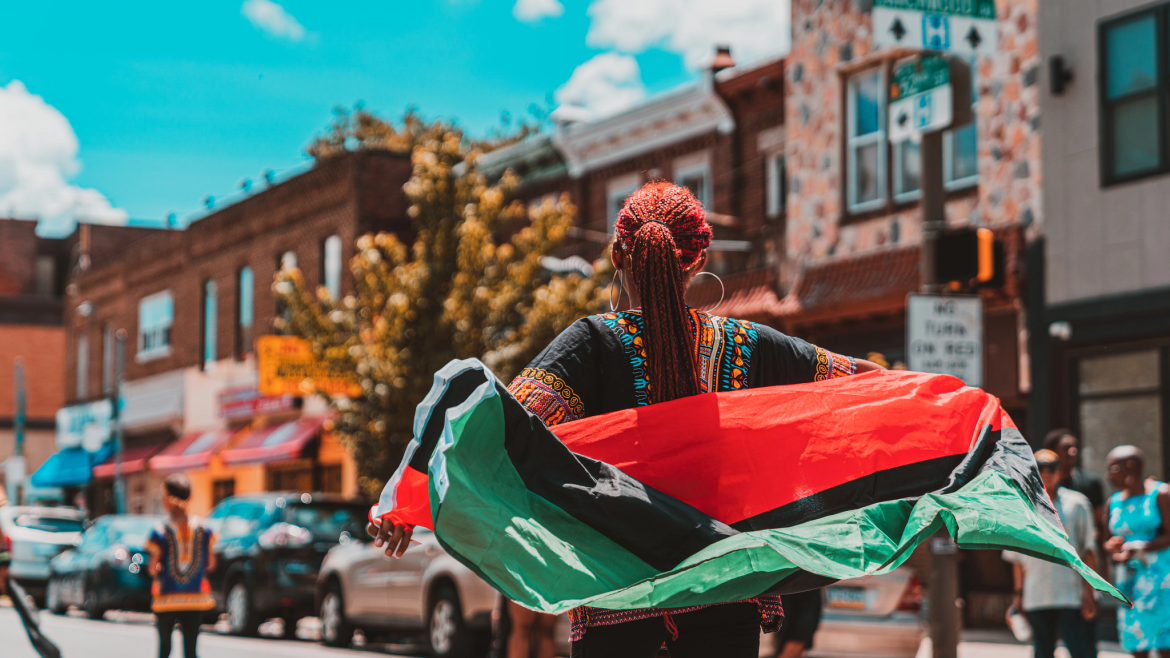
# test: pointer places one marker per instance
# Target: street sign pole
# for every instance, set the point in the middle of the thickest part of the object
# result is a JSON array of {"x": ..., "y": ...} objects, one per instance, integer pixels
[
  {"x": 119, "y": 385},
  {"x": 933, "y": 207}
]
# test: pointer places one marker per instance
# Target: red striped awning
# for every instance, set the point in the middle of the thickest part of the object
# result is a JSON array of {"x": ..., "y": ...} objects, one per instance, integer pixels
[
  {"x": 192, "y": 450},
  {"x": 134, "y": 459},
  {"x": 275, "y": 443}
]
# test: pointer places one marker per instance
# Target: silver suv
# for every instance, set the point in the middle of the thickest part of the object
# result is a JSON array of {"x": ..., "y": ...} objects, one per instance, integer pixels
[
  {"x": 35, "y": 536},
  {"x": 425, "y": 592}
]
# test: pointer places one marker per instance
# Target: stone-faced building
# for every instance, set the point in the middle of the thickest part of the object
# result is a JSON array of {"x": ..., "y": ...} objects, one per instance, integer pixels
[{"x": 189, "y": 305}]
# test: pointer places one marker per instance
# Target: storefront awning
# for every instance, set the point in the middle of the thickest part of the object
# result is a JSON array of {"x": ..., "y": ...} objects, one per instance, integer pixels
[
  {"x": 875, "y": 282},
  {"x": 134, "y": 460},
  {"x": 276, "y": 443},
  {"x": 192, "y": 450},
  {"x": 747, "y": 295},
  {"x": 70, "y": 467}
]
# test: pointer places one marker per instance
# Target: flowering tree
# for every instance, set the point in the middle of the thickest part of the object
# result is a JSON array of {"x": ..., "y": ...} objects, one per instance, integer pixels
[{"x": 455, "y": 292}]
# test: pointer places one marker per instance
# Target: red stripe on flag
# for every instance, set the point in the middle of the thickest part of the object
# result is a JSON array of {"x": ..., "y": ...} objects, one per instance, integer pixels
[
  {"x": 412, "y": 501},
  {"x": 735, "y": 455}
]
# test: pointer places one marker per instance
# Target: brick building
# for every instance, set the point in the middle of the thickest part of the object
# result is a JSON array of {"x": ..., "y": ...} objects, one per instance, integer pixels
[
  {"x": 188, "y": 306},
  {"x": 33, "y": 271}
]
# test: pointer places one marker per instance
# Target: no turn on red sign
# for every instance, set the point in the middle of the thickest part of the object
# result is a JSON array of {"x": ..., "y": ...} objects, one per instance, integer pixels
[{"x": 944, "y": 334}]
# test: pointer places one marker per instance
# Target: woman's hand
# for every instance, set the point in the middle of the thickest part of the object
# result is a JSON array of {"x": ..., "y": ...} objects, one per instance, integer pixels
[
  {"x": 1114, "y": 544},
  {"x": 396, "y": 538}
]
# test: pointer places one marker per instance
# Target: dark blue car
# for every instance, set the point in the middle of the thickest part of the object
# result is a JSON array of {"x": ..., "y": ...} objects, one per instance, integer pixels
[{"x": 107, "y": 571}]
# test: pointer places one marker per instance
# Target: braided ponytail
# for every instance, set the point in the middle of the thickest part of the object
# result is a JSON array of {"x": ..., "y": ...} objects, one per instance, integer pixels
[{"x": 663, "y": 230}]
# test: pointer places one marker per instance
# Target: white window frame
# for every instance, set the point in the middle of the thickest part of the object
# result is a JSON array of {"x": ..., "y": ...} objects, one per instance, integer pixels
[
  {"x": 949, "y": 180},
  {"x": 702, "y": 169},
  {"x": 160, "y": 351},
  {"x": 776, "y": 189},
  {"x": 854, "y": 143},
  {"x": 82, "y": 365},
  {"x": 331, "y": 259},
  {"x": 912, "y": 195},
  {"x": 615, "y": 195}
]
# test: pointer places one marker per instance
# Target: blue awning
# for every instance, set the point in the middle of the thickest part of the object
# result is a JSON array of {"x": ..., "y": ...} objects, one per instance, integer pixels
[{"x": 71, "y": 467}]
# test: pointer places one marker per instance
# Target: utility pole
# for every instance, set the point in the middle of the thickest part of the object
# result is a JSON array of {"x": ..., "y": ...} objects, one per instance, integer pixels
[
  {"x": 946, "y": 620},
  {"x": 934, "y": 216},
  {"x": 15, "y": 468},
  {"x": 119, "y": 382}
]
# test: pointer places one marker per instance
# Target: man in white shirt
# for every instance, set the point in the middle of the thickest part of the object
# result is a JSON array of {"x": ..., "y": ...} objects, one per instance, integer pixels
[{"x": 1056, "y": 599}]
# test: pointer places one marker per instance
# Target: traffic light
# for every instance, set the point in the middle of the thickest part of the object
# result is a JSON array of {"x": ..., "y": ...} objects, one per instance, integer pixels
[{"x": 969, "y": 258}]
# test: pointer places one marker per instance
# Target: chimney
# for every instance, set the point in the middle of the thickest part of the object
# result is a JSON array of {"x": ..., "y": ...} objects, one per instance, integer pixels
[{"x": 722, "y": 61}]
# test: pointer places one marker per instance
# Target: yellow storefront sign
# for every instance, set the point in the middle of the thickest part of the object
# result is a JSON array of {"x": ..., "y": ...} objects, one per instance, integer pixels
[{"x": 287, "y": 367}]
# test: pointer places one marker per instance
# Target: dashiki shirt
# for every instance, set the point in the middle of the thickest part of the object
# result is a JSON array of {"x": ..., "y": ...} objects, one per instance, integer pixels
[
  {"x": 598, "y": 365},
  {"x": 182, "y": 584},
  {"x": 1146, "y": 579}
]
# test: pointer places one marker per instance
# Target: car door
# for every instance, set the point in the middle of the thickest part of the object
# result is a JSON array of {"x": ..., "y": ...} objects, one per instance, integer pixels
[
  {"x": 404, "y": 581},
  {"x": 92, "y": 541},
  {"x": 366, "y": 579}
]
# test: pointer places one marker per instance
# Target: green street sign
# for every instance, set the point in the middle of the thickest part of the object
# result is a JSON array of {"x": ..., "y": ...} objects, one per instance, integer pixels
[
  {"x": 919, "y": 75},
  {"x": 983, "y": 9}
]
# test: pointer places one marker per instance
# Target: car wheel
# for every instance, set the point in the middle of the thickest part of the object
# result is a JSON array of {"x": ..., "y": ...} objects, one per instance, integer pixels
[
  {"x": 335, "y": 630},
  {"x": 90, "y": 605},
  {"x": 448, "y": 634},
  {"x": 53, "y": 597},
  {"x": 242, "y": 619}
]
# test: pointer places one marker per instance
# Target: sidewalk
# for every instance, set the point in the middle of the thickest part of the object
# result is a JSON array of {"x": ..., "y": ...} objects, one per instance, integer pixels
[{"x": 1001, "y": 644}]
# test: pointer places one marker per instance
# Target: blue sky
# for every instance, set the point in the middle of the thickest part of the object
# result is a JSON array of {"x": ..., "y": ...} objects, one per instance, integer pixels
[{"x": 169, "y": 102}]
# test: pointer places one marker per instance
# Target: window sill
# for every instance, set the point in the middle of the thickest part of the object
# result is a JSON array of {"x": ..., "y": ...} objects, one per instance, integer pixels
[
  {"x": 891, "y": 207},
  {"x": 153, "y": 355}
]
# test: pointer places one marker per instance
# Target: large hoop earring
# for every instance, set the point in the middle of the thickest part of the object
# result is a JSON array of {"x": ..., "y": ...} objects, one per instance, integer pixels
[
  {"x": 722, "y": 290},
  {"x": 616, "y": 283}
]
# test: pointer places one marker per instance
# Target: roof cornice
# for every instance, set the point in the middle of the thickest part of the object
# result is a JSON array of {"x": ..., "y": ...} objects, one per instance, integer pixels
[{"x": 662, "y": 121}]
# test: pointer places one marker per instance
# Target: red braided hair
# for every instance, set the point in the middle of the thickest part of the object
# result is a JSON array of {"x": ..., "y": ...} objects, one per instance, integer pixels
[{"x": 663, "y": 230}]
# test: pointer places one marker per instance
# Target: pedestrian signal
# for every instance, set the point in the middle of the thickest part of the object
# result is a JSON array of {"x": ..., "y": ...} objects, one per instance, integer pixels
[{"x": 969, "y": 258}]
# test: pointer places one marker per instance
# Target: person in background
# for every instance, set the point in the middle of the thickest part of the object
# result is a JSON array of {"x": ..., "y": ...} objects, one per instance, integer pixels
[
  {"x": 1139, "y": 525},
  {"x": 531, "y": 634},
  {"x": 1065, "y": 444},
  {"x": 1057, "y": 601},
  {"x": 802, "y": 617},
  {"x": 180, "y": 558}
]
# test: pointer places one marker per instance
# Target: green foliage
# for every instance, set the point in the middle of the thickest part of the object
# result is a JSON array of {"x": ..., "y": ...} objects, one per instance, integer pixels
[{"x": 456, "y": 292}]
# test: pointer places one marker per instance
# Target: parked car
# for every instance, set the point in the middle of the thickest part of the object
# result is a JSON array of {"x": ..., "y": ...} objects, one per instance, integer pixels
[
  {"x": 879, "y": 616},
  {"x": 36, "y": 535},
  {"x": 107, "y": 571},
  {"x": 425, "y": 592},
  {"x": 269, "y": 551}
]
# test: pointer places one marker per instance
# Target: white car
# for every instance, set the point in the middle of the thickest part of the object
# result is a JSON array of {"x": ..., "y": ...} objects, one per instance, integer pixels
[
  {"x": 35, "y": 536},
  {"x": 425, "y": 592},
  {"x": 875, "y": 616}
]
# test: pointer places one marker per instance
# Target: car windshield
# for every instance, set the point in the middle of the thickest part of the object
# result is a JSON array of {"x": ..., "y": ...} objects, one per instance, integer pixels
[
  {"x": 131, "y": 532},
  {"x": 47, "y": 523},
  {"x": 328, "y": 521}
]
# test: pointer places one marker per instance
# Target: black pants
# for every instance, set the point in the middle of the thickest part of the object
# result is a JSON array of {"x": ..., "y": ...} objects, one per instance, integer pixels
[
  {"x": 1077, "y": 632},
  {"x": 802, "y": 617},
  {"x": 728, "y": 631},
  {"x": 189, "y": 622}
]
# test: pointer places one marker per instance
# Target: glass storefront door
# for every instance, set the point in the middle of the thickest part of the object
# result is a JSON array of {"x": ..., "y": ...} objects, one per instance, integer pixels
[{"x": 1120, "y": 400}]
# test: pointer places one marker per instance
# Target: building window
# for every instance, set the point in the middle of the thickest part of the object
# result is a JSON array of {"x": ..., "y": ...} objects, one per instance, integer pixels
[
  {"x": 330, "y": 479},
  {"x": 287, "y": 261},
  {"x": 244, "y": 312},
  {"x": 1120, "y": 398},
  {"x": 210, "y": 322},
  {"x": 866, "y": 130},
  {"x": 696, "y": 178},
  {"x": 221, "y": 490},
  {"x": 82, "y": 366},
  {"x": 1133, "y": 96},
  {"x": 331, "y": 266},
  {"x": 907, "y": 171},
  {"x": 156, "y": 314},
  {"x": 107, "y": 360},
  {"x": 617, "y": 191},
  {"x": 45, "y": 275},
  {"x": 776, "y": 179}
]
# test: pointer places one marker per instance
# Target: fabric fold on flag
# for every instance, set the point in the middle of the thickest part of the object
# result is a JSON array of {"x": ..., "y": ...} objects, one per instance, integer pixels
[{"x": 721, "y": 496}]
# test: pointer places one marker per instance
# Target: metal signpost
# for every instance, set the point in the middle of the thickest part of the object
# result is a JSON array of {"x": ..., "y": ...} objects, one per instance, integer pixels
[
  {"x": 944, "y": 334},
  {"x": 962, "y": 27}
]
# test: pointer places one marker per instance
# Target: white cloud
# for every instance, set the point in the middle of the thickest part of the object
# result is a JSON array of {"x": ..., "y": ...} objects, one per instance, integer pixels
[
  {"x": 272, "y": 19},
  {"x": 38, "y": 156},
  {"x": 531, "y": 11},
  {"x": 691, "y": 28},
  {"x": 605, "y": 85}
]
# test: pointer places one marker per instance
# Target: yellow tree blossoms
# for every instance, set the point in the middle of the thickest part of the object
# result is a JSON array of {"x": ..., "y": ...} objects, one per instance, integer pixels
[{"x": 455, "y": 292}]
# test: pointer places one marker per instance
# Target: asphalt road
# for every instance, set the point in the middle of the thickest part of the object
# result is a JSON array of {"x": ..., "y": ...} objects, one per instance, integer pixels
[{"x": 129, "y": 635}]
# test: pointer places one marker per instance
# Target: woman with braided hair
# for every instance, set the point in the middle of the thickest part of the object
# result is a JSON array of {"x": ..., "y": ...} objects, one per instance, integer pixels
[{"x": 659, "y": 350}]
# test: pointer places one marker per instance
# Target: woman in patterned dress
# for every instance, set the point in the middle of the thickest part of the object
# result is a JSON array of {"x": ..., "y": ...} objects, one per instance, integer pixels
[
  {"x": 660, "y": 350},
  {"x": 1139, "y": 520}
]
